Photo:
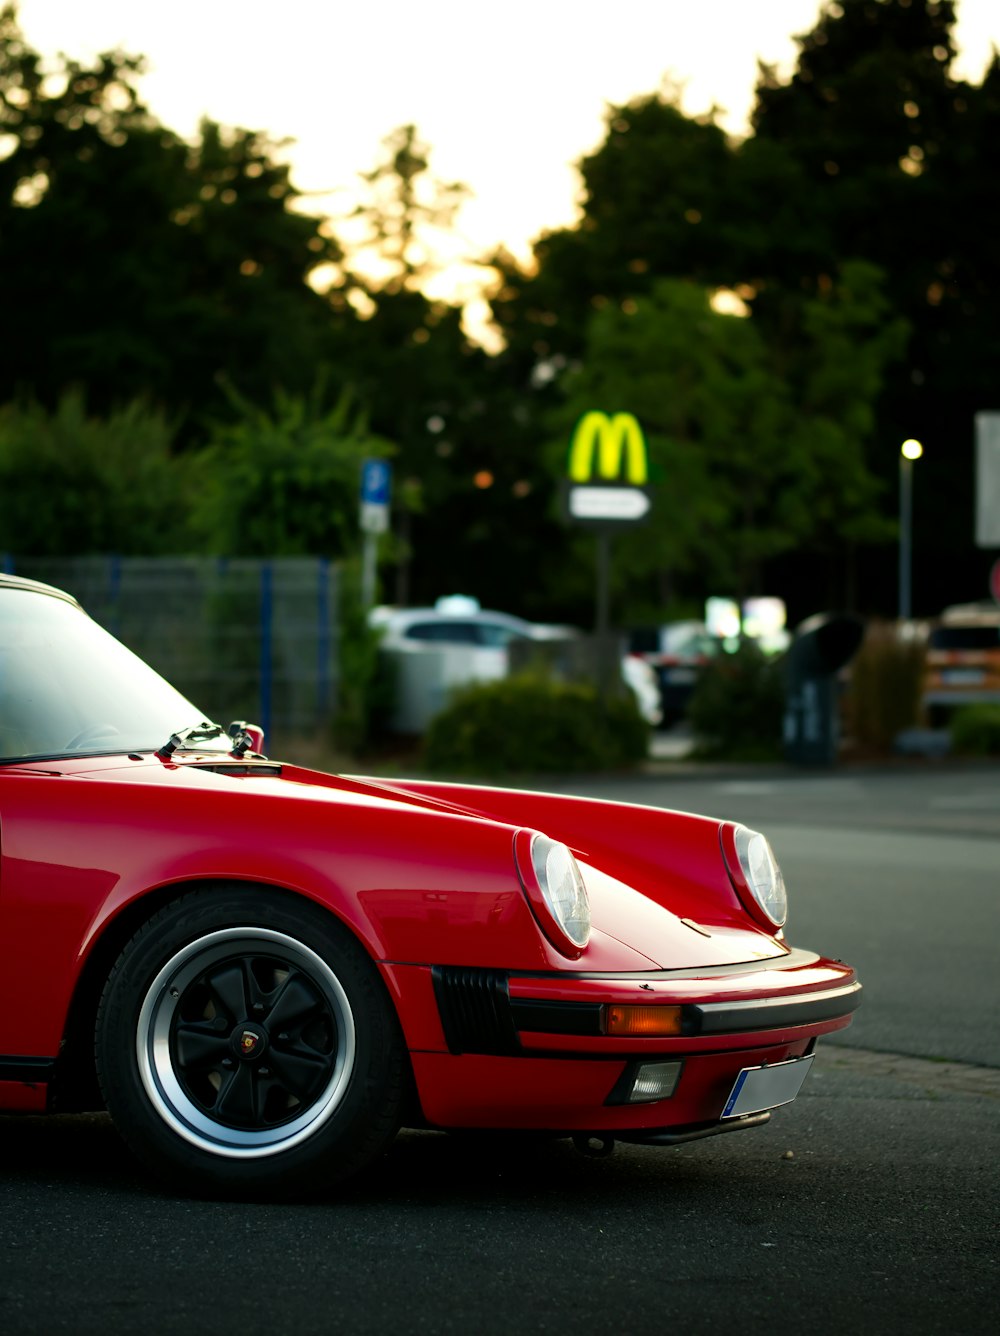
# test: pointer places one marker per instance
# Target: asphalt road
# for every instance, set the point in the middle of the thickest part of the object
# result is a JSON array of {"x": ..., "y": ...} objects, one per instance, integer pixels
[{"x": 871, "y": 1204}]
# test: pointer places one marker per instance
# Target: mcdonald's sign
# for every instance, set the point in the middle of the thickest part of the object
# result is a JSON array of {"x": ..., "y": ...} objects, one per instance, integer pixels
[{"x": 608, "y": 471}]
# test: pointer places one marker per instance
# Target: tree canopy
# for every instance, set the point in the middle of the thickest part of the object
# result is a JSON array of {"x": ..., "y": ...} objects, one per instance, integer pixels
[
  {"x": 138, "y": 264},
  {"x": 779, "y": 311},
  {"x": 871, "y": 152}
]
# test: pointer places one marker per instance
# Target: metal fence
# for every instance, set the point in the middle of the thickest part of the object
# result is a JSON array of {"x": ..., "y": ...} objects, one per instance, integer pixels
[{"x": 243, "y": 638}]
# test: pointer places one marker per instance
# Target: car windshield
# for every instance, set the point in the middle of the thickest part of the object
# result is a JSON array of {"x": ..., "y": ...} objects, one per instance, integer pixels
[
  {"x": 69, "y": 688},
  {"x": 965, "y": 637}
]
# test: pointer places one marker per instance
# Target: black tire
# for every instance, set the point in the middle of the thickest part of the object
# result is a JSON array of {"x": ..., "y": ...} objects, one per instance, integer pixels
[{"x": 246, "y": 1047}]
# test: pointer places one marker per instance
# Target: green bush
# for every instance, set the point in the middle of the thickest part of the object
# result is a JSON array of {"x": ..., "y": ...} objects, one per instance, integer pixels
[
  {"x": 74, "y": 484},
  {"x": 736, "y": 709},
  {"x": 283, "y": 481},
  {"x": 975, "y": 730},
  {"x": 529, "y": 723}
]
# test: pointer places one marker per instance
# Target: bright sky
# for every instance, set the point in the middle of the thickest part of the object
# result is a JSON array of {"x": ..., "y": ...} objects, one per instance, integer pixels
[{"x": 509, "y": 94}]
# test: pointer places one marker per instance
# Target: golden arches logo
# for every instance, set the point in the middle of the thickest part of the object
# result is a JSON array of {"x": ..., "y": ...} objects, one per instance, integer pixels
[{"x": 605, "y": 440}]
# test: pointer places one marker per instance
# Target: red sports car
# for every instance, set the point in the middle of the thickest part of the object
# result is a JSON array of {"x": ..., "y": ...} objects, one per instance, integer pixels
[{"x": 263, "y": 971}]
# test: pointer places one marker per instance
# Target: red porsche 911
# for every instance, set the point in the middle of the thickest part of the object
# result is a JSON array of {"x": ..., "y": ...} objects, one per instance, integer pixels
[{"x": 262, "y": 971}]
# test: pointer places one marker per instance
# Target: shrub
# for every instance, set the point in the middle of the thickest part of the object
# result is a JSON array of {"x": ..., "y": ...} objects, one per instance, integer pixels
[
  {"x": 73, "y": 484},
  {"x": 283, "y": 481},
  {"x": 975, "y": 730},
  {"x": 530, "y": 722},
  {"x": 886, "y": 682},
  {"x": 736, "y": 709}
]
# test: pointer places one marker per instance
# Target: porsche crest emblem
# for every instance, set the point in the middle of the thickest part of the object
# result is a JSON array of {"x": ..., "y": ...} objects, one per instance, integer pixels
[{"x": 248, "y": 1042}]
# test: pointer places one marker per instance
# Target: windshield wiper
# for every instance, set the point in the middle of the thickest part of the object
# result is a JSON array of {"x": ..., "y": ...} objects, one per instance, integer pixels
[{"x": 196, "y": 733}]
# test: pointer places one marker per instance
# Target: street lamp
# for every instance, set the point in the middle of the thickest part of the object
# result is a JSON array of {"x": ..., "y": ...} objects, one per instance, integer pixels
[{"x": 908, "y": 452}]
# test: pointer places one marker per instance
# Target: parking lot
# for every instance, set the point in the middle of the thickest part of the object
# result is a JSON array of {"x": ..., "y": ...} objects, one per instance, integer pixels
[{"x": 872, "y": 1202}]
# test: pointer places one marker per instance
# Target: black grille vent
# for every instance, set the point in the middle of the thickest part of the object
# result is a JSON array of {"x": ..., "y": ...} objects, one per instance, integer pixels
[{"x": 475, "y": 1010}]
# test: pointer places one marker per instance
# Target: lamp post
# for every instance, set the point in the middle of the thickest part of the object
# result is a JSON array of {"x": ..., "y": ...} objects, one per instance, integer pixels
[{"x": 908, "y": 452}]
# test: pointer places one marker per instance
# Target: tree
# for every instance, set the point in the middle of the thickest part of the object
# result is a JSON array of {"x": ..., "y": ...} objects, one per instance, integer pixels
[
  {"x": 284, "y": 480},
  {"x": 72, "y": 483},
  {"x": 656, "y": 201},
  {"x": 870, "y": 151},
  {"x": 428, "y": 386},
  {"x": 748, "y": 462},
  {"x": 901, "y": 163},
  {"x": 138, "y": 264},
  {"x": 867, "y": 111},
  {"x": 403, "y": 212}
]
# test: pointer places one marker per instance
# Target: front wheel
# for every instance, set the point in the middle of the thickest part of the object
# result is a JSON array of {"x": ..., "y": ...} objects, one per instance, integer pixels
[{"x": 247, "y": 1047}]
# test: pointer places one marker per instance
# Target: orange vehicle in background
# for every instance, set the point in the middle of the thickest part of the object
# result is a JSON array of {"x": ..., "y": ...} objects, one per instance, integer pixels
[{"x": 963, "y": 660}]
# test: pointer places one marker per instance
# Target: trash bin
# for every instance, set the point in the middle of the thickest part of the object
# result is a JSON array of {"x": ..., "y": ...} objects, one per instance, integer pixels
[{"x": 822, "y": 645}]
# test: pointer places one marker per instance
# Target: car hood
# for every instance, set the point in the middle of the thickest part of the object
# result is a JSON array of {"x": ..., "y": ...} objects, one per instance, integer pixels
[{"x": 656, "y": 879}]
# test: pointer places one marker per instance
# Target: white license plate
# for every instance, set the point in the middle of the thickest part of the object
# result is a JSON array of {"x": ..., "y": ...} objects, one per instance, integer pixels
[{"x": 760, "y": 1088}]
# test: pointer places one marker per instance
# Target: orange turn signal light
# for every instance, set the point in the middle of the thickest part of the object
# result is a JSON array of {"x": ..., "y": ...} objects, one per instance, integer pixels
[{"x": 642, "y": 1020}]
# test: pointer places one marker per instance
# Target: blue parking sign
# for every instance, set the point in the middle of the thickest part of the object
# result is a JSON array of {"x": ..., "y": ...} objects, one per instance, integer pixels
[{"x": 376, "y": 477}]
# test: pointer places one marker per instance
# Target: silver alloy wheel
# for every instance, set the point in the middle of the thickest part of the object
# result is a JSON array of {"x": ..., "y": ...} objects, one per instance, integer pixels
[{"x": 246, "y": 1042}]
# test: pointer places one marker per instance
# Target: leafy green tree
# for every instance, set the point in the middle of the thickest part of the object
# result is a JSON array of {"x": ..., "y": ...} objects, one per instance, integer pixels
[
  {"x": 865, "y": 116},
  {"x": 284, "y": 480},
  {"x": 698, "y": 383},
  {"x": 748, "y": 461},
  {"x": 900, "y": 160},
  {"x": 244, "y": 312},
  {"x": 657, "y": 201},
  {"x": 848, "y": 341},
  {"x": 403, "y": 211},
  {"x": 428, "y": 386},
  {"x": 72, "y": 483},
  {"x": 138, "y": 264},
  {"x": 870, "y": 151}
]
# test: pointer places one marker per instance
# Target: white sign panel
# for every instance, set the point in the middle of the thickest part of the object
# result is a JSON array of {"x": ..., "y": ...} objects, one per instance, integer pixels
[
  {"x": 616, "y": 504},
  {"x": 988, "y": 479},
  {"x": 374, "y": 517}
]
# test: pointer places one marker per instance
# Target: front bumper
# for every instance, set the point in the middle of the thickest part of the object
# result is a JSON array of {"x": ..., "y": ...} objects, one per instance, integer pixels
[{"x": 519, "y": 1050}]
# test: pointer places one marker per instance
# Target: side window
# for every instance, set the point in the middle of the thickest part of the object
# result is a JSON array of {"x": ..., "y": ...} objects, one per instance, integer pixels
[
  {"x": 420, "y": 631},
  {"x": 497, "y": 636},
  {"x": 444, "y": 632}
]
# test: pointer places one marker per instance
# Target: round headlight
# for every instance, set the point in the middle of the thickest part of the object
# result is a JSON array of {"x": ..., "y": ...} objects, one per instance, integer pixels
[
  {"x": 761, "y": 874},
  {"x": 561, "y": 883}
]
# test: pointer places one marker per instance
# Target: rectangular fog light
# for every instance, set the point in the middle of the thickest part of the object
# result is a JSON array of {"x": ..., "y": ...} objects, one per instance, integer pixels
[{"x": 654, "y": 1080}]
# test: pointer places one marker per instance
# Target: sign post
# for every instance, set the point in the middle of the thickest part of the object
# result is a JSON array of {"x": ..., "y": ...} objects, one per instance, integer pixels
[
  {"x": 597, "y": 494},
  {"x": 607, "y": 487},
  {"x": 376, "y": 482},
  {"x": 908, "y": 452},
  {"x": 988, "y": 479}
]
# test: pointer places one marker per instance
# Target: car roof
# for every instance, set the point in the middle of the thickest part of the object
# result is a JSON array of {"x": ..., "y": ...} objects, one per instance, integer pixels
[
  {"x": 35, "y": 587},
  {"x": 983, "y": 613},
  {"x": 400, "y": 617}
]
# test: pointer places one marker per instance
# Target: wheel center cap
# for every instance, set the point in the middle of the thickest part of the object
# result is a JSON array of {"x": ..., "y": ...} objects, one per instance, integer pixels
[{"x": 249, "y": 1042}]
